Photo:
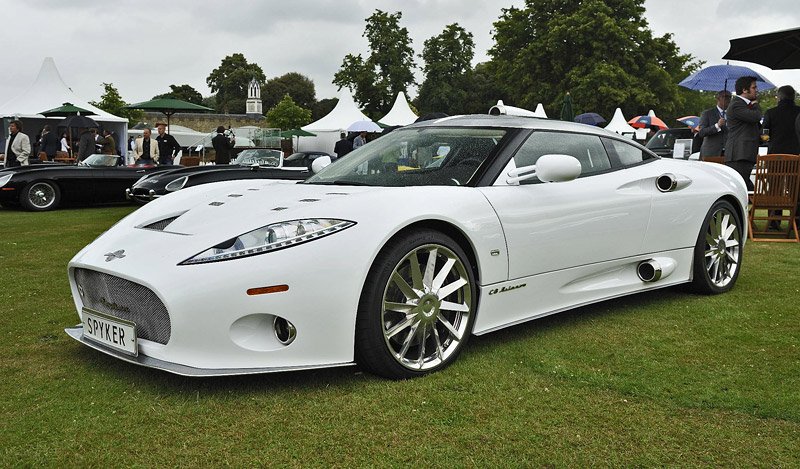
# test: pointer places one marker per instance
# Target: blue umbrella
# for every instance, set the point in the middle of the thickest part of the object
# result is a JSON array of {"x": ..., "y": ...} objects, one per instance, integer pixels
[
  {"x": 723, "y": 77},
  {"x": 590, "y": 118}
]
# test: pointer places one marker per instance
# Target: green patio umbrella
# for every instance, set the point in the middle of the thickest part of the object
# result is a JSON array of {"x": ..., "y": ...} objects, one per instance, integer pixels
[
  {"x": 74, "y": 118},
  {"x": 168, "y": 107},
  {"x": 66, "y": 110},
  {"x": 297, "y": 133},
  {"x": 567, "y": 113}
]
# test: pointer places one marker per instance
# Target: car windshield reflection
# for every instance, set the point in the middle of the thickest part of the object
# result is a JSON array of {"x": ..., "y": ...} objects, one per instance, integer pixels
[
  {"x": 259, "y": 156},
  {"x": 415, "y": 157},
  {"x": 100, "y": 161}
]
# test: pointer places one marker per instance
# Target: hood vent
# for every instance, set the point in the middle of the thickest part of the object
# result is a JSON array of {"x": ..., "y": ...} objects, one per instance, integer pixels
[
  {"x": 234, "y": 195},
  {"x": 216, "y": 204},
  {"x": 308, "y": 200},
  {"x": 278, "y": 209},
  {"x": 160, "y": 225}
]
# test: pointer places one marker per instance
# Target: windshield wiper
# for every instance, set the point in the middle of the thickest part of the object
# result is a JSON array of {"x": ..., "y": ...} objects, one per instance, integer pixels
[{"x": 340, "y": 182}]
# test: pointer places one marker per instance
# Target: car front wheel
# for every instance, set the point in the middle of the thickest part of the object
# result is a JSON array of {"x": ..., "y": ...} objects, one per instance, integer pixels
[
  {"x": 40, "y": 196},
  {"x": 718, "y": 251},
  {"x": 417, "y": 308}
]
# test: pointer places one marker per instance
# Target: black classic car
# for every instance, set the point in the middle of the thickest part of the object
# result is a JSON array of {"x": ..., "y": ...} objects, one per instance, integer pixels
[
  {"x": 252, "y": 163},
  {"x": 96, "y": 180}
]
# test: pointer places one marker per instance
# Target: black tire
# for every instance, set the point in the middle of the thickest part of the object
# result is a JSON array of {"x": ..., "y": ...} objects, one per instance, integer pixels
[
  {"x": 718, "y": 252},
  {"x": 40, "y": 196},
  {"x": 425, "y": 331}
]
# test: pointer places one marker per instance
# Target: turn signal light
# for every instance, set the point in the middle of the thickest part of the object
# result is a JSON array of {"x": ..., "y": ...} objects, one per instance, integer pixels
[{"x": 265, "y": 290}]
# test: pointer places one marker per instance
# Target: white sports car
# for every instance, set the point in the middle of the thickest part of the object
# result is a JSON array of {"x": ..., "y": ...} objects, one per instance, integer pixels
[{"x": 394, "y": 256}]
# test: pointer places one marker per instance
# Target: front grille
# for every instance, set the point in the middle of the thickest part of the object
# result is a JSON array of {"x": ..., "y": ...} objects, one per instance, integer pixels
[{"x": 127, "y": 300}]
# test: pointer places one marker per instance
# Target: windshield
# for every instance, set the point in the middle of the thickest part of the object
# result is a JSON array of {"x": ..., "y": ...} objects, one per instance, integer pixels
[
  {"x": 101, "y": 160},
  {"x": 259, "y": 156},
  {"x": 666, "y": 138},
  {"x": 427, "y": 156}
]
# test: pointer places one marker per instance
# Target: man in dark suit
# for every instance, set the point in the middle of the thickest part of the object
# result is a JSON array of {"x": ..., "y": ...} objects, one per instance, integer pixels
[
  {"x": 744, "y": 118},
  {"x": 343, "y": 146},
  {"x": 713, "y": 128},
  {"x": 222, "y": 146},
  {"x": 50, "y": 144},
  {"x": 780, "y": 121}
]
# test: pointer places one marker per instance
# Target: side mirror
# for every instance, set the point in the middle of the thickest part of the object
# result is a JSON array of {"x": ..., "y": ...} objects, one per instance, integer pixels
[
  {"x": 557, "y": 168},
  {"x": 320, "y": 163},
  {"x": 548, "y": 168}
]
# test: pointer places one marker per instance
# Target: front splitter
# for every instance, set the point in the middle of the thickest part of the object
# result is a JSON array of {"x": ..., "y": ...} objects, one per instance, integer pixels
[{"x": 183, "y": 370}]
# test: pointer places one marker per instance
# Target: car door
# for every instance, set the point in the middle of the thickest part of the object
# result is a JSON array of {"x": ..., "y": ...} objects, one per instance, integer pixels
[
  {"x": 110, "y": 183},
  {"x": 601, "y": 215}
]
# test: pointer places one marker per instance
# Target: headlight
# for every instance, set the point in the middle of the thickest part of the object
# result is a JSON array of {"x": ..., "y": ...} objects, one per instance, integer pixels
[
  {"x": 4, "y": 180},
  {"x": 270, "y": 238},
  {"x": 177, "y": 184}
]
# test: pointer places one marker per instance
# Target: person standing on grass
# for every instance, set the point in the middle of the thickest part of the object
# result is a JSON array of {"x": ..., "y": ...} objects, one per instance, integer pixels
[
  {"x": 744, "y": 117},
  {"x": 18, "y": 146},
  {"x": 780, "y": 121},
  {"x": 222, "y": 146},
  {"x": 168, "y": 147}
]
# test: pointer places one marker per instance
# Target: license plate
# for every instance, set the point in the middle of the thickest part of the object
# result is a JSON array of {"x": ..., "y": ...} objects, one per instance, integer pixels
[{"x": 111, "y": 332}]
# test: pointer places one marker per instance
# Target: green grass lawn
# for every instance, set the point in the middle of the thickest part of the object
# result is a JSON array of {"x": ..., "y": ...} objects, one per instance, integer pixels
[{"x": 665, "y": 378}]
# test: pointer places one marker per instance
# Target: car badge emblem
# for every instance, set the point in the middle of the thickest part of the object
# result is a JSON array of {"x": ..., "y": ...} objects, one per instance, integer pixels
[{"x": 110, "y": 256}]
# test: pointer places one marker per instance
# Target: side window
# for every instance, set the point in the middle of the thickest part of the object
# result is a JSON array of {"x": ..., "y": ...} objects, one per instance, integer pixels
[
  {"x": 626, "y": 153},
  {"x": 588, "y": 149}
]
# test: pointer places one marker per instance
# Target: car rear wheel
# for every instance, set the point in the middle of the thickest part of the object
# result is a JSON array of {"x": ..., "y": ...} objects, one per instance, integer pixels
[
  {"x": 40, "y": 196},
  {"x": 417, "y": 308},
  {"x": 718, "y": 252}
]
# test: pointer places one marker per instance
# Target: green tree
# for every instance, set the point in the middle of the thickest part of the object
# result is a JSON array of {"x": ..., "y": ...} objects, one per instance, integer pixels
[
  {"x": 111, "y": 101},
  {"x": 184, "y": 93},
  {"x": 601, "y": 51},
  {"x": 323, "y": 107},
  {"x": 230, "y": 82},
  {"x": 448, "y": 61},
  {"x": 296, "y": 85},
  {"x": 389, "y": 69},
  {"x": 288, "y": 115}
]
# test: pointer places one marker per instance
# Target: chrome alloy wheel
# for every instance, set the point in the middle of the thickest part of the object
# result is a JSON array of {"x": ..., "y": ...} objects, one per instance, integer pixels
[
  {"x": 41, "y": 195},
  {"x": 427, "y": 305},
  {"x": 723, "y": 247}
]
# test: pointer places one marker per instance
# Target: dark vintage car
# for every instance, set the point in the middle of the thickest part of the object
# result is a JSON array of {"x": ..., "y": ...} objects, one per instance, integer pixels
[
  {"x": 96, "y": 180},
  {"x": 252, "y": 163},
  {"x": 662, "y": 142}
]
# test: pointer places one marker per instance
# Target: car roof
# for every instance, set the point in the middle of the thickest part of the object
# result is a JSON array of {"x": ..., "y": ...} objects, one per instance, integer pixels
[{"x": 533, "y": 123}]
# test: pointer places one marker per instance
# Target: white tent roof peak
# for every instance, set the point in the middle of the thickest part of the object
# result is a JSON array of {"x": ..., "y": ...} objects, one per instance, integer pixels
[
  {"x": 344, "y": 114},
  {"x": 400, "y": 114},
  {"x": 619, "y": 125},
  {"x": 652, "y": 113},
  {"x": 539, "y": 112},
  {"x": 49, "y": 91}
]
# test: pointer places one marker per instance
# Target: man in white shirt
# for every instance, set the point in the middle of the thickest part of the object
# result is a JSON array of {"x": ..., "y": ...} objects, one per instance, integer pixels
[{"x": 18, "y": 146}]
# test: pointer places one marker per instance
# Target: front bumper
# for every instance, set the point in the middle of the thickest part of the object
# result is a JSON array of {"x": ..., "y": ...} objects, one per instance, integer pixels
[
  {"x": 183, "y": 370},
  {"x": 141, "y": 195}
]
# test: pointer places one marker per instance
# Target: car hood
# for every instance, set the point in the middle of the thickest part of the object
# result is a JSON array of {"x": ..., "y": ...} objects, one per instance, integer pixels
[{"x": 165, "y": 176}]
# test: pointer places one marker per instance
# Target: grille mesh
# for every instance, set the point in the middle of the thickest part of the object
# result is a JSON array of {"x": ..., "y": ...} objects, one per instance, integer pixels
[{"x": 127, "y": 300}]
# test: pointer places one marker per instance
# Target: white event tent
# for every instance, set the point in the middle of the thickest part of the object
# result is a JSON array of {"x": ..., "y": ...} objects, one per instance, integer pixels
[
  {"x": 400, "y": 114},
  {"x": 49, "y": 91},
  {"x": 619, "y": 125},
  {"x": 327, "y": 129}
]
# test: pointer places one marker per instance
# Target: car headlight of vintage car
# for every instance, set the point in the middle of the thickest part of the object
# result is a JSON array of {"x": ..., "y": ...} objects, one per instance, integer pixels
[
  {"x": 177, "y": 184},
  {"x": 270, "y": 238},
  {"x": 4, "y": 180}
]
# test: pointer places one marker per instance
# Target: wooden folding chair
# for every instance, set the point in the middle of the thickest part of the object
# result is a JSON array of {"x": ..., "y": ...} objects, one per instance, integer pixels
[{"x": 776, "y": 189}]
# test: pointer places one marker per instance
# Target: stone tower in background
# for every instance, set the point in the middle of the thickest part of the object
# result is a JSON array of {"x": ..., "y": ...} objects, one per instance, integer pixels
[{"x": 254, "y": 105}]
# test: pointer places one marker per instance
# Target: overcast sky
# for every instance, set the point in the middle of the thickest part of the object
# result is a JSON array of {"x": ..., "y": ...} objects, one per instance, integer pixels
[{"x": 142, "y": 50}]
